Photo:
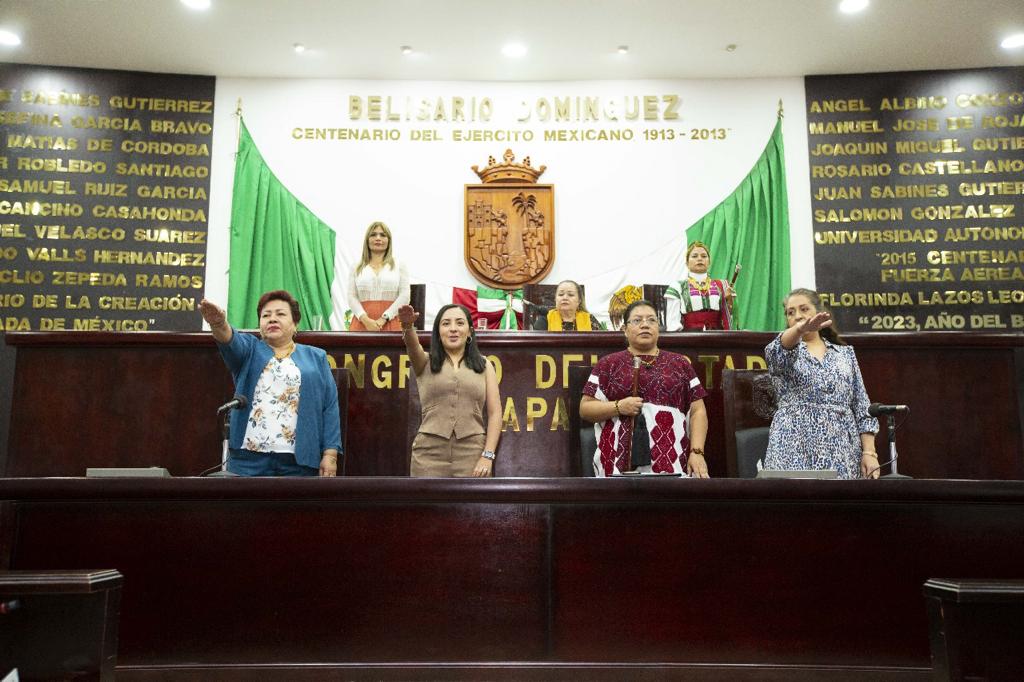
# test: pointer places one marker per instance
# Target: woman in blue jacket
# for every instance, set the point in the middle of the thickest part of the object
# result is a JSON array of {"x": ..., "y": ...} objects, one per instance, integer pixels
[{"x": 290, "y": 426}]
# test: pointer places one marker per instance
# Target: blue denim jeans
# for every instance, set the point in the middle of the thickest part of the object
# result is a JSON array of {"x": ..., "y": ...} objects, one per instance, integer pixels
[{"x": 249, "y": 463}]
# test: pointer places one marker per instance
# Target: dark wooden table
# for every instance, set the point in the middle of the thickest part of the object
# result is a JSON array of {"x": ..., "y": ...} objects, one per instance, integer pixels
[{"x": 391, "y": 578}]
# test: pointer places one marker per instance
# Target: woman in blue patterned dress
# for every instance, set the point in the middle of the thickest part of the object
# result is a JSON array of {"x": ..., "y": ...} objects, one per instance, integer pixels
[{"x": 822, "y": 420}]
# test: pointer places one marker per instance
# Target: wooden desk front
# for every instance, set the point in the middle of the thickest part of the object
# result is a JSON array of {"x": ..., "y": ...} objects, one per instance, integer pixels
[
  {"x": 149, "y": 399},
  {"x": 398, "y": 578}
]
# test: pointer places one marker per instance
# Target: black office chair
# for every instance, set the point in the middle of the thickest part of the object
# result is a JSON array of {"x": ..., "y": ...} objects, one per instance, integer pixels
[
  {"x": 418, "y": 300},
  {"x": 655, "y": 293},
  {"x": 749, "y": 402},
  {"x": 581, "y": 449},
  {"x": 341, "y": 378}
]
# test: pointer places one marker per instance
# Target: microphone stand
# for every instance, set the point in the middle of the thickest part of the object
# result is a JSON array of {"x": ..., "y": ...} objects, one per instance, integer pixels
[{"x": 891, "y": 437}]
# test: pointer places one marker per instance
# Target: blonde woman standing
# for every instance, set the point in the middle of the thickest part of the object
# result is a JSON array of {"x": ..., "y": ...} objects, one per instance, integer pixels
[{"x": 379, "y": 285}]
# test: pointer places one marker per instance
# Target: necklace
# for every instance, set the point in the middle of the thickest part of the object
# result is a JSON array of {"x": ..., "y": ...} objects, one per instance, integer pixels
[
  {"x": 281, "y": 355},
  {"x": 703, "y": 286},
  {"x": 647, "y": 363}
]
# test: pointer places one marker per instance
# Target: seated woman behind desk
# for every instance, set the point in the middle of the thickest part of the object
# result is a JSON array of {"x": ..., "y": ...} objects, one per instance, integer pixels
[
  {"x": 291, "y": 425},
  {"x": 379, "y": 285},
  {"x": 570, "y": 312},
  {"x": 457, "y": 386},
  {"x": 822, "y": 420},
  {"x": 698, "y": 302}
]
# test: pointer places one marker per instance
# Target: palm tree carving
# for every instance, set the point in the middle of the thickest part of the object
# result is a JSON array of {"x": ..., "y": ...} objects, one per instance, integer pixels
[{"x": 526, "y": 207}]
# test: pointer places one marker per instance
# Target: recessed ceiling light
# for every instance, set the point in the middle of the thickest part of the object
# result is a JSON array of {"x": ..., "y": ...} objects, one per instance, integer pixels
[
  {"x": 9, "y": 38},
  {"x": 406, "y": 49},
  {"x": 623, "y": 49},
  {"x": 731, "y": 47},
  {"x": 1013, "y": 42},
  {"x": 299, "y": 48},
  {"x": 514, "y": 50},
  {"x": 853, "y": 6},
  {"x": 196, "y": 4}
]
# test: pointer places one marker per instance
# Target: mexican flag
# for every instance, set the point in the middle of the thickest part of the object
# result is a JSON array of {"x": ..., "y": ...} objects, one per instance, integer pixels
[
  {"x": 498, "y": 308},
  {"x": 751, "y": 228},
  {"x": 276, "y": 243}
]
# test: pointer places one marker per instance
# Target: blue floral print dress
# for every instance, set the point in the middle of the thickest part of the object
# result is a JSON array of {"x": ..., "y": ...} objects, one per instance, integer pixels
[{"x": 822, "y": 409}]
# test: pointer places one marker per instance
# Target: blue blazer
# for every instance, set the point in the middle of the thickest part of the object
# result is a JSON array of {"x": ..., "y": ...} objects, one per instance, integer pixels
[{"x": 319, "y": 426}]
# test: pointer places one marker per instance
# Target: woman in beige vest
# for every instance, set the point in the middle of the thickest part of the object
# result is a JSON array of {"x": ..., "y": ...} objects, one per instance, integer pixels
[{"x": 459, "y": 386}]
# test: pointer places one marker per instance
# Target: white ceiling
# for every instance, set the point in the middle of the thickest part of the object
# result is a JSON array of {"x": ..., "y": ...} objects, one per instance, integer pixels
[{"x": 461, "y": 39}]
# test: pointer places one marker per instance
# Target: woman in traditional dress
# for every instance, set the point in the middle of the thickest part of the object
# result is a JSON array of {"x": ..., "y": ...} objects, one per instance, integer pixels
[
  {"x": 822, "y": 419},
  {"x": 570, "y": 312},
  {"x": 699, "y": 302},
  {"x": 379, "y": 285},
  {"x": 647, "y": 405},
  {"x": 458, "y": 391}
]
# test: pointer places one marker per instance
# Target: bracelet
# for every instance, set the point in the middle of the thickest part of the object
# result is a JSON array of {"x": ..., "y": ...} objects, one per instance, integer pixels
[
  {"x": 617, "y": 413},
  {"x": 697, "y": 451},
  {"x": 330, "y": 454},
  {"x": 407, "y": 327},
  {"x": 869, "y": 453}
]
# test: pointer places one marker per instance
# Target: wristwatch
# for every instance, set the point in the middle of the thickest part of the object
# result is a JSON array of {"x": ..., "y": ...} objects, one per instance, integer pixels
[
  {"x": 385, "y": 317},
  {"x": 488, "y": 454}
]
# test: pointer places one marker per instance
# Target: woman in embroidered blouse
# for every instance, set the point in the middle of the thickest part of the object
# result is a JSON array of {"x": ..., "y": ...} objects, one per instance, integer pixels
[
  {"x": 570, "y": 312},
  {"x": 822, "y": 420},
  {"x": 699, "y": 302},
  {"x": 457, "y": 386},
  {"x": 379, "y": 285},
  {"x": 291, "y": 426}
]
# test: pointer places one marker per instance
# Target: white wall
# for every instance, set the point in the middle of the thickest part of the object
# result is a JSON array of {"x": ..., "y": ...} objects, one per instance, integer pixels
[{"x": 621, "y": 207}]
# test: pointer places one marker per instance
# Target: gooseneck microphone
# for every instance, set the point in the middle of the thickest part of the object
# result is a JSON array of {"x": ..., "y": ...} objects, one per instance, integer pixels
[
  {"x": 878, "y": 409},
  {"x": 239, "y": 402}
]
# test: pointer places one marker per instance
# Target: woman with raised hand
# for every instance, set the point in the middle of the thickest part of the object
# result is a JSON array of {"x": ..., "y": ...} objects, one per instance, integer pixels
[
  {"x": 458, "y": 389},
  {"x": 290, "y": 426},
  {"x": 822, "y": 420}
]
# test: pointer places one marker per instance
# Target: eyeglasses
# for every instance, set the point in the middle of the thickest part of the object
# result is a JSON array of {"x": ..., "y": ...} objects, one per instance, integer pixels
[{"x": 637, "y": 321}]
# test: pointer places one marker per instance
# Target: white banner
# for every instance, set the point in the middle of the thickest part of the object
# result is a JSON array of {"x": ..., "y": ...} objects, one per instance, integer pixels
[{"x": 634, "y": 163}]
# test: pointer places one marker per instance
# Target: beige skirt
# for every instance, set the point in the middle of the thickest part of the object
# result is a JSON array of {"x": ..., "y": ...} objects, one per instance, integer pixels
[{"x": 437, "y": 457}]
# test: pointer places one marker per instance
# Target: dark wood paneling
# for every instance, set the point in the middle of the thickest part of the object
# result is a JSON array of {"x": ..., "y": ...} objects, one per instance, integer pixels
[
  {"x": 653, "y": 573},
  {"x": 149, "y": 399}
]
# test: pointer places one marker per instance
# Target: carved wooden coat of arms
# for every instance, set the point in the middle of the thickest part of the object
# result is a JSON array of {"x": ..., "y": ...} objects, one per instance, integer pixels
[{"x": 510, "y": 224}]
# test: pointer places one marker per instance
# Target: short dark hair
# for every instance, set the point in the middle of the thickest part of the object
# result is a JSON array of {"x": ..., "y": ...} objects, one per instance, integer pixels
[
  {"x": 471, "y": 356},
  {"x": 636, "y": 304},
  {"x": 280, "y": 295}
]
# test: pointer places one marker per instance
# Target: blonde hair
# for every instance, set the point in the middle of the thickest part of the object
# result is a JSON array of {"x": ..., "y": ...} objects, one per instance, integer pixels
[
  {"x": 691, "y": 247},
  {"x": 389, "y": 259}
]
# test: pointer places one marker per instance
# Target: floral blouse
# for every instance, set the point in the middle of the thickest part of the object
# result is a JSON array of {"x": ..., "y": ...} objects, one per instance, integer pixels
[{"x": 275, "y": 408}]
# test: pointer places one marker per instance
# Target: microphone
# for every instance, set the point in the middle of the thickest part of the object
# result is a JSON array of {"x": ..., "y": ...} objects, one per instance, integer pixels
[
  {"x": 240, "y": 402},
  {"x": 878, "y": 409}
]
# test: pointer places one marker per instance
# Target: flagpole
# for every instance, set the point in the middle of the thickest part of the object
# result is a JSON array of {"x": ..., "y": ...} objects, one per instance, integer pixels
[
  {"x": 780, "y": 113},
  {"x": 238, "y": 122}
]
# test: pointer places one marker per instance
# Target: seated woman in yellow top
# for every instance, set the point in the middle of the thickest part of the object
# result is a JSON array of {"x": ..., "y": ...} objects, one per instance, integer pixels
[{"x": 570, "y": 312}]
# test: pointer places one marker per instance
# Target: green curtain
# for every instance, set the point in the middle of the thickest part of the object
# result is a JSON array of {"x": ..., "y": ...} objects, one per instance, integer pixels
[
  {"x": 751, "y": 227},
  {"x": 276, "y": 243}
]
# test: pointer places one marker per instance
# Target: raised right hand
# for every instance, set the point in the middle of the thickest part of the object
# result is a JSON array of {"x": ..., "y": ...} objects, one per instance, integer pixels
[
  {"x": 214, "y": 315},
  {"x": 816, "y": 323}
]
